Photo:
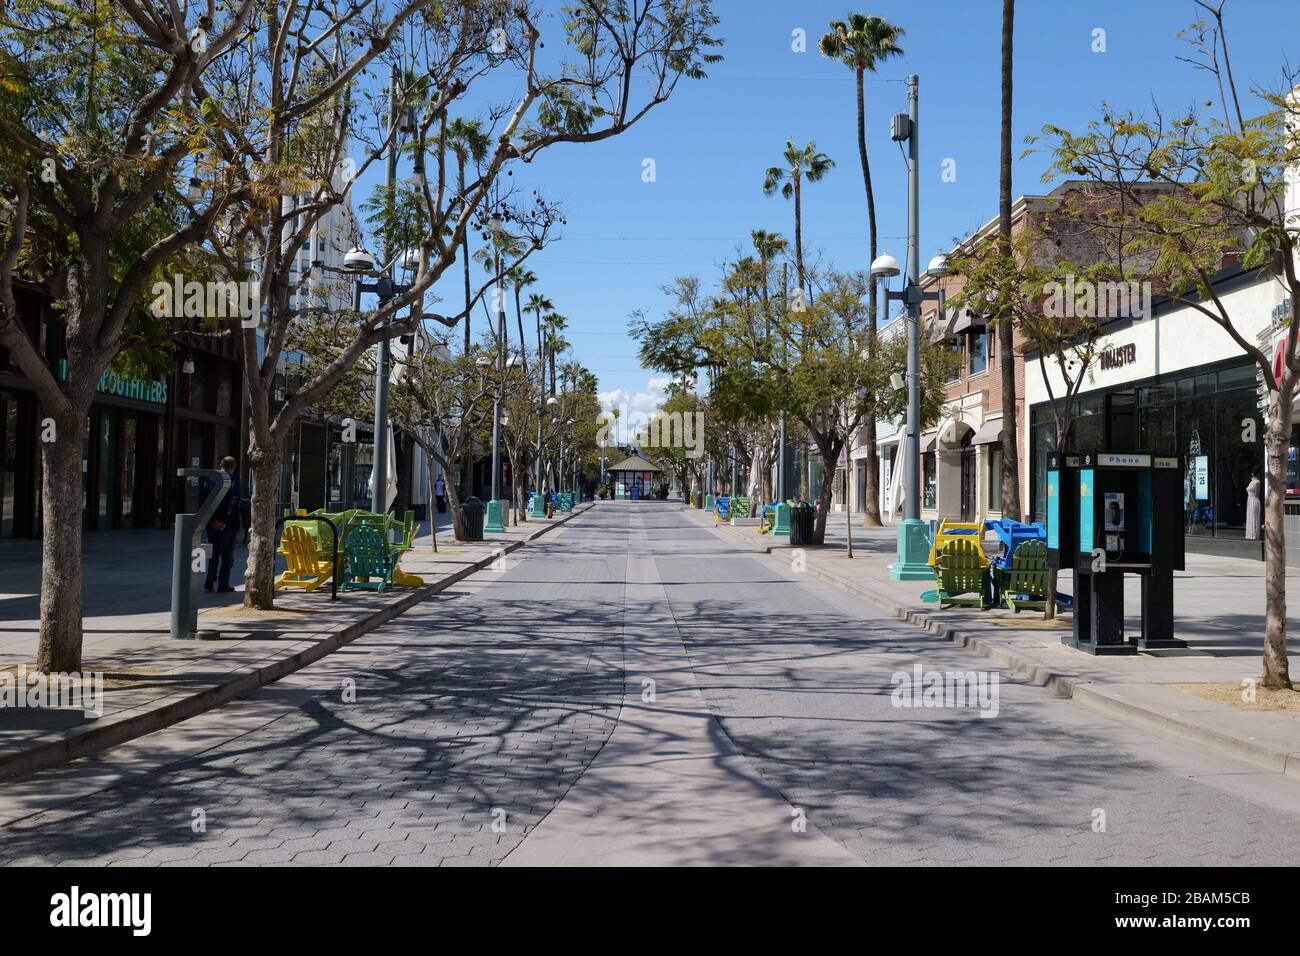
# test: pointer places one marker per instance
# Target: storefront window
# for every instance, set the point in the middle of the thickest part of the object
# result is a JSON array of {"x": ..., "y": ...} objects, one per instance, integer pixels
[
  {"x": 994, "y": 458},
  {"x": 1206, "y": 419},
  {"x": 929, "y": 479},
  {"x": 1043, "y": 443},
  {"x": 334, "y": 472},
  {"x": 1239, "y": 433},
  {"x": 8, "y": 462},
  {"x": 1196, "y": 444},
  {"x": 126, "y": 474}
]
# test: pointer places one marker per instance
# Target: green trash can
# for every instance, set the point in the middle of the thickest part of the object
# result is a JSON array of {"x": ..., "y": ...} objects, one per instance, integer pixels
[{"x": 802, "y": 518}]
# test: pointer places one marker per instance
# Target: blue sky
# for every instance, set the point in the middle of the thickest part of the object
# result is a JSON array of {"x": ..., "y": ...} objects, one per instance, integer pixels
[{"x": 711, "y": 142}]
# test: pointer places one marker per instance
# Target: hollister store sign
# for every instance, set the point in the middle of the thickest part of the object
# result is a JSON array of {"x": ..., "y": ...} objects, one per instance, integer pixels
[{"x": 1118, "y": 356}]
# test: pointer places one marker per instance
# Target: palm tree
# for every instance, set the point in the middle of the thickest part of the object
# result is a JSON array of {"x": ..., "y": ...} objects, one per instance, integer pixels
[
  {"x": 768, "y": 245},
  {"x": 555, "y": 342},
  {"x": 519, "y": 278},
  {"x": 862, "y": 43},
  {"x": 1006, "y": 344},
  {"x": 801, "y": 164},
  {"x": 501, "y": 246},
  {"x": 537, "y": 304},
  {"x": 467, "y": 141}
]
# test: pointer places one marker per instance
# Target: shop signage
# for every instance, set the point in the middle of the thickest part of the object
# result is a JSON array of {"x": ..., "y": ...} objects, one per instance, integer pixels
[
  {"x": 111, "y": 383},
  {"x": 1112, "y": 460},
  {"x": 1201, "y": 469},
  {"x": 1117, "y": 356}
]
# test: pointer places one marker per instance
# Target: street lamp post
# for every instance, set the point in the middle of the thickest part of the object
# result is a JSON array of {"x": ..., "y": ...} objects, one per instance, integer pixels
[
  {"x": 359, "y": 261},
  {"x": 911, "y": 563}
]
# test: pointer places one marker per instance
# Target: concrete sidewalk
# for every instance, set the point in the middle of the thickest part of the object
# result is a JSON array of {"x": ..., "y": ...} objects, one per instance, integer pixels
[
  {"x": 1219, "y": 604},
  {"x": 152, "y": 681}
]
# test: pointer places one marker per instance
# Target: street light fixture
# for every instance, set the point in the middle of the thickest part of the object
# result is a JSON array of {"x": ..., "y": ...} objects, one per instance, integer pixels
[{"x": 911, "y": 563}]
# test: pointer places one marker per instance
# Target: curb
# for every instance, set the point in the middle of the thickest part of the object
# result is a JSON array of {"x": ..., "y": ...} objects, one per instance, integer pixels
[
  {"x": 92, "y": 741},
  {"x": 1067, "y": 686}
]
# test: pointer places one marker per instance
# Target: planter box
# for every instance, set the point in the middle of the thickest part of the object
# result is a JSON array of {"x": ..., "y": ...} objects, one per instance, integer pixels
[{"x": 746, "y": 522}]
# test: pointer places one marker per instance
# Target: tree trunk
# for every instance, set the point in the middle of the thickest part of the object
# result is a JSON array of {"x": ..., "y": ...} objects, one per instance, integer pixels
[
  {"x": 515, "y": 486},
  {"x": 59, "y": 647},
  {"x": 826, "y": 492},
  {"x": 453, "y": 505},
  {"x": 805, "y": 489},
  {"x": 432, "y": 507},
  {"x": 871, "y": 500},
  {"x": 848, "y": 516},
  {"x": 259, "y": 578},
  {"x": 1277, "y": 674},
  {"x": 1006, "y": 330},
  {"x": 1049, "y": 612}
]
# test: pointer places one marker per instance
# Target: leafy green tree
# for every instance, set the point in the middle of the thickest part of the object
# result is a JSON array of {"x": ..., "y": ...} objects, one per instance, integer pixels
[
  {"x": 1194, "y": 195},
  {"x": 102, "y": 118}
]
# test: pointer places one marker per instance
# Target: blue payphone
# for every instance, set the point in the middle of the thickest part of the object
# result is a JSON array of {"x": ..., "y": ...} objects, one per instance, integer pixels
[{"x": 1111, "y": 513}]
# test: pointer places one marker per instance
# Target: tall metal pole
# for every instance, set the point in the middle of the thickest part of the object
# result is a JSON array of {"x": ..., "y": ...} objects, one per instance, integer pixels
[
  {"x": 911, "y": 563},
  {"x": 380, "y": 469},
  {"x": 912, "y": 438},
  {"x": 501, "y": 369},
  {"x": 780, "y": 458},
  {"x": 541, "y": 412}
]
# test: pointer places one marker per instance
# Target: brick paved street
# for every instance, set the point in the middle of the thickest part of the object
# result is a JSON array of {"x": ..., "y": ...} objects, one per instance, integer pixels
[{"x": 503, "y": 701}]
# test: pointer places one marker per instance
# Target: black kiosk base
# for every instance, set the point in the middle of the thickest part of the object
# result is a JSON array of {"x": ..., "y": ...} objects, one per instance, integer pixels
[
  {"x": 1099, "y": 626},
  {"x": 1099, "y": 613}
]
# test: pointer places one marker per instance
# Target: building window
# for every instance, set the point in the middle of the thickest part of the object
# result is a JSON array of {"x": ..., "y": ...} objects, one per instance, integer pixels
[
  {"x": 995, "y": 477},
  {"x": 930, "y": 480},
  {"x": 953, "y": 345},
  {"x": 979, "y": 352}
]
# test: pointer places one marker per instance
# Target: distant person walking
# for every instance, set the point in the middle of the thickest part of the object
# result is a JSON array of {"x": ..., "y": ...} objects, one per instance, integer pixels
[
  {"x": 440, "y": 493},
  {"x": 222, "y": 529}
]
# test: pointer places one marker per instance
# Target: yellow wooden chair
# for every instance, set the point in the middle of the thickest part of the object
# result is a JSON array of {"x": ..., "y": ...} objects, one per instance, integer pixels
[
  {"x": 948, "y": 530},
  {"x": 306, "y": 569}
]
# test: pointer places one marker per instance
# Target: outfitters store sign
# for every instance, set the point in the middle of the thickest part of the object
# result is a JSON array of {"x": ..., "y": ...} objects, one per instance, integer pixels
[{"x": 111, "y": 383}]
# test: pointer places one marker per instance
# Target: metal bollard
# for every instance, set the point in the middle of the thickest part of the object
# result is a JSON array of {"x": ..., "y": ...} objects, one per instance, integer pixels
[{"x": 189, "y": 528}]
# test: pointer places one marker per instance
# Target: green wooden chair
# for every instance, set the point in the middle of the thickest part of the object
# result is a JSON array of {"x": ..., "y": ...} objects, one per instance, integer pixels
[
  {"x": 740, "y": 508},
  {"x": 367, "y": 561},
  {"x": 1023, "y": 585},
  {"x": 961, "y": 569}
]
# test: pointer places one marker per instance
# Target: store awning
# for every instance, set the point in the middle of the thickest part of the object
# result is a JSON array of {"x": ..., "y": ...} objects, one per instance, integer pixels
[
  {"x": 968, "y": 323},
  {"x": 941, "y": 326},
  {"x": 989, "y": 433}
]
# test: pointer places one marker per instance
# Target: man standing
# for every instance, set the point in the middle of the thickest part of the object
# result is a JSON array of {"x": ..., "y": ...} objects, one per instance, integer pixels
[
  {"x": 440, "y": 494},
  {"x": 222, "y": 528}
]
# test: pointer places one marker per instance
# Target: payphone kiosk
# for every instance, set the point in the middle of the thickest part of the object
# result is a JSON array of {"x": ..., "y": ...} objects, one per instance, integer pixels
[{"x": 1111, "y": 514}]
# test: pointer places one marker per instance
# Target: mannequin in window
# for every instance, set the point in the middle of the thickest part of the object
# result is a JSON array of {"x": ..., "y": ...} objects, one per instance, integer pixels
[{"x": 1254, "y": 508}]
